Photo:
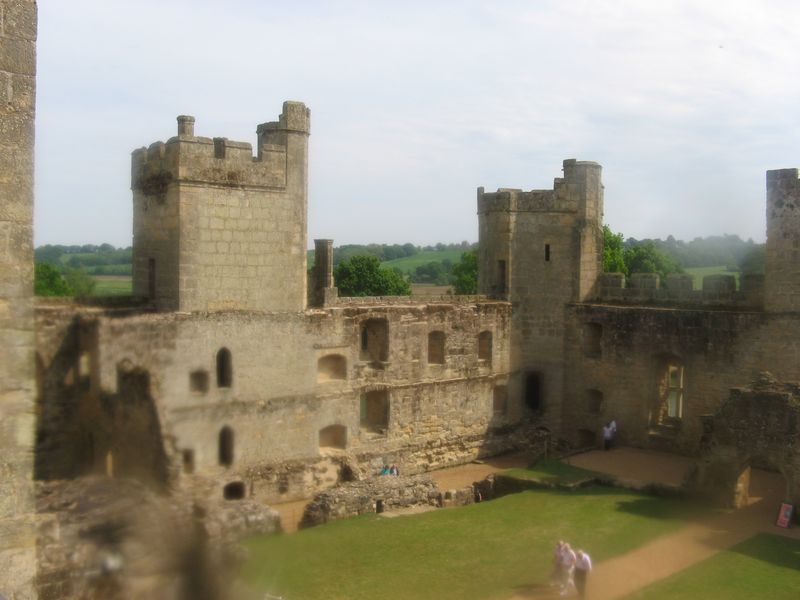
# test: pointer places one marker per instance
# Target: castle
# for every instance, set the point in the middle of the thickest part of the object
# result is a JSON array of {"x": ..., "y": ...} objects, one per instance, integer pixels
[{"x": 233, "y": 366}]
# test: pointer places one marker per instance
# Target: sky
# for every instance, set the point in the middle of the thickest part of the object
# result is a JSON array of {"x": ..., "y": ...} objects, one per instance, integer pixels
[{"x": 414, "y": 105}]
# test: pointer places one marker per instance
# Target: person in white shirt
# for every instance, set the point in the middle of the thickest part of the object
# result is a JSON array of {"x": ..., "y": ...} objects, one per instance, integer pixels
[
  {"x": 568, "y": 559},
  {"x": 583, "y": 564}
]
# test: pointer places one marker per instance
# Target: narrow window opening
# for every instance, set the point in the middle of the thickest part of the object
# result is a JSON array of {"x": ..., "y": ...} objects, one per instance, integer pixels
[
  {"x": 375, "y": 411},
  {"x": 219, "y": 147},
  {"x": 547, "y": 252},
  {"x": 234, "y": 491},
  {"x": 198, "y": 381},
  {"x": 226, "y": 446},
  {"x": 671, "y": 394},
  {"x": 151, "y": 278},
  {"x": 501, "y": 277},
  {"x": 378, "y": 506},
  {"x": 188, "y": 461},
  {"x": 485, "y": 346},
  {"x": 436, "y": 347},
  {"x": 224, "y": 368},
  {"x": 533, "y": 391}
]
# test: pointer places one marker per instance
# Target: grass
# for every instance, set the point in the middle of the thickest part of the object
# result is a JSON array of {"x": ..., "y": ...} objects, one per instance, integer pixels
[
  {"x": 700, "y": 272},
  {"x": 409, "y": 263},
  {"x": 487, "y": 550},
  {"x": 765, "y": 566},
  {"x": 112, "y": 286},
  {"x": 552, "y": 471}
]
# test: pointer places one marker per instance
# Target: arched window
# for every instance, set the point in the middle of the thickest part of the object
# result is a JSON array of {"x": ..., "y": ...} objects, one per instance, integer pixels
[
  {"x": 224, "y": 368},
  {"x": 226, "y": 446}
]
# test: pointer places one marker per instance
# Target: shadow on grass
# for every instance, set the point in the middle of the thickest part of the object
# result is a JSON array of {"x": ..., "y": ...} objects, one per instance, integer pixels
[
  {"x": 540, "y": 591},
  {"x": 774, "y": 549}
]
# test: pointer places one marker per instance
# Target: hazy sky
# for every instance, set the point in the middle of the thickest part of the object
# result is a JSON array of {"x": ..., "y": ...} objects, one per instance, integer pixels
[{"x": 415, "y": 104}]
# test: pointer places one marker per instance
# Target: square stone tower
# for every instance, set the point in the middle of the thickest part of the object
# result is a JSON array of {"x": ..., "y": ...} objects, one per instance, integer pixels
[
  {"x": 541, "y": 250},
  {"x": 215, "y": 228}
]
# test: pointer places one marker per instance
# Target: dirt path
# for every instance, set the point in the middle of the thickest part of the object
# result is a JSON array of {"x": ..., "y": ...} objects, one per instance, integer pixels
[{"x": 623, "y": 575}]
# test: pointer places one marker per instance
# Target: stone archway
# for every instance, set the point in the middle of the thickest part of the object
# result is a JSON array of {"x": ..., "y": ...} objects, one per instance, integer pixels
[{"x": 755, "y": 426}]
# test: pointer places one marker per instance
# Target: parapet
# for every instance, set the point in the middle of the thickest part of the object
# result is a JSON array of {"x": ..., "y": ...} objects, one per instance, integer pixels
[
  {"x": 717, "y": 290},
  {"x": 569, "y": 193},
  {"x": 220, "y": 161}
]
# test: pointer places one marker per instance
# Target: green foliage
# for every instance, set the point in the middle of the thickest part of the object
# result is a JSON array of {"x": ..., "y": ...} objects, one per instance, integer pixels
[
  {"x": 764, "y": 566},
  {"x": 432, "y": 272},
  {"x": 465, "y": 273},
  {"x": 646, "y": 258},
  {"x": 613, "y": 252},
  {"x": 79, "y": 282},
  {"x": 47, "y": 281},
  {"x": 492, "y": 548},
  {"x": 363, "y": 276},
  {"x": 753, "y": 261}
]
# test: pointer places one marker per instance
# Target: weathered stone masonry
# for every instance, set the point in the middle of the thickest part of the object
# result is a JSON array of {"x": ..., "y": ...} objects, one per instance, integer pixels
[{"x": 17, "y": 106}]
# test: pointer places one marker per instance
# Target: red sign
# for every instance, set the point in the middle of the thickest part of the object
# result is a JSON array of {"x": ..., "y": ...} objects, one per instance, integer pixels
[{"x": 785, "y": 515}]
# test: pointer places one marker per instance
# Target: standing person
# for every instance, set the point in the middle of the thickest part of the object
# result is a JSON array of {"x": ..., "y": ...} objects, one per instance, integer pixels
[
  {"x": 555, "y": 577},
  {"x": 583, "y": 564},
  {"x": 608, "y": 436},
  {"x": 568, "y": 559}
]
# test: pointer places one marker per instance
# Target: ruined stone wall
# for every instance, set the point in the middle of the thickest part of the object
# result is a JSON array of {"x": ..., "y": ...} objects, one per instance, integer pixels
[
  {"x": 17, "y": 107},
  {"x": 290, "y": 376},
  {"x": 542, "y": 249},
  {"x": 622, "y": 351},
  {"x": 216, "y": 228}
]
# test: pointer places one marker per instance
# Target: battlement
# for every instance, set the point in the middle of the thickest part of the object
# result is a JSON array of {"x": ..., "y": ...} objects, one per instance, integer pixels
[
  {"x": 569, "y": 193},
  {"x": 717, "y": 290},
  {"x": 219, "y": 161}
]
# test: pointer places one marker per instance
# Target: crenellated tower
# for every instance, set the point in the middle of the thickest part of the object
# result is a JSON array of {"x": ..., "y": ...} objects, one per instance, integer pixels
[
  {"x": 541, "y": 250},
  {"x": 216, "y": 228},
  {"x": 782, "y": 268}
]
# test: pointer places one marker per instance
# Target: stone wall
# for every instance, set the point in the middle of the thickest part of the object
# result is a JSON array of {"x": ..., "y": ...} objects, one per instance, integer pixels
[
  {"x": 17, "y": 107},
  {"x": 782, "y": 281},
  {"x": 755, "y": 426},
  {"x": 619, "y": 357},
  {"x": 292, "y": 377},
  {"x": 216, "y": 228}
]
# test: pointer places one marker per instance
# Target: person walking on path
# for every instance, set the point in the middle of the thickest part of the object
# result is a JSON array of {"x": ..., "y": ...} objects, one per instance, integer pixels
[
  {"x": 555, "y": 576},
  {"x": 568, "y": 559},
  {"x": 583, "y": 564}
]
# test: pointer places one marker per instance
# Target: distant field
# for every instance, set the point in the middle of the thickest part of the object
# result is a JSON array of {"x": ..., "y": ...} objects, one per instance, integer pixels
[
  {"x": 409, "y": 263},
  {"x": 112, "y": 285},
  {"x": 428, "y": 289},
  {"x": 700, "y": 272}
]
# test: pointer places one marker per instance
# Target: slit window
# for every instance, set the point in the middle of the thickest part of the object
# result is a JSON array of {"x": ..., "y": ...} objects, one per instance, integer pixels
[
  {"x": 226, "y": 446},
  {"x": 533, "y": 391},
  {"x": 224, "y": 368},
  {"x": 547, "y": 252}
]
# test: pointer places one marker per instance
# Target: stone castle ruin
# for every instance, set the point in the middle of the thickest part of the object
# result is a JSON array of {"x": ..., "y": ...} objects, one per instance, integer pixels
[{"x": 235, "y": 375}]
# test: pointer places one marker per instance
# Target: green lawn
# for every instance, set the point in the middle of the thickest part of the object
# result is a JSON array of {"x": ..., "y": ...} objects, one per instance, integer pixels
[
  {"x": 765, "y": 566},
  {"x": 409, "y": 263},
  {"x": 480, "y": 551},
  {"x": 552, "y": 471},
  {"x": 700, "y": 272},
  {"x": 113, "y": 286}
]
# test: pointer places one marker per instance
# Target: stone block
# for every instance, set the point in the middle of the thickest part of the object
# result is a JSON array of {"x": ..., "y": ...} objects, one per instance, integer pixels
[
  {"x": 18, "y": 56},
  {"x": 19, "y": 19}
]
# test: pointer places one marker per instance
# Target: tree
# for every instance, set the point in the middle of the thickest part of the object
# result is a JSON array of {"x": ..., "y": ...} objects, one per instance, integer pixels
[
  {"x": 646, "y": 258},
  {"x": 79, "y": 282},
  {"x": 465, "y": 272},
  {"x": 753, "y": 261},
  {"x": 363, "y": 276},
  {"x": 613, "y": 252},
  {"x": 47, "y": 281}
]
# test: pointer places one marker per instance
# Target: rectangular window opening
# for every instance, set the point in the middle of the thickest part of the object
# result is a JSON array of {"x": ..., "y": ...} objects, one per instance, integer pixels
[{"x": 547, "y": 252}]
